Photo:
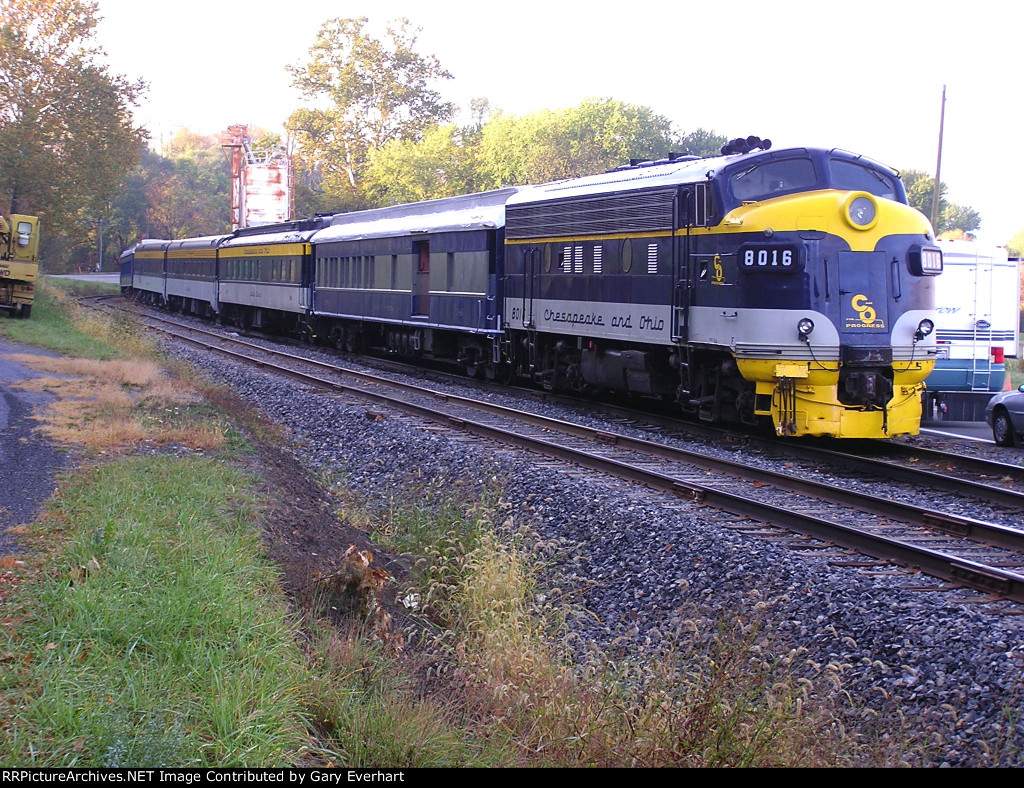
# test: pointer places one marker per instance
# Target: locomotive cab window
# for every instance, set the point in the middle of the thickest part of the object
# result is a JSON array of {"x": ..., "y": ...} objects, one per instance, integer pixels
[
  {"x": 771, "y": 179},
  {"x": 854, "y": 177}
]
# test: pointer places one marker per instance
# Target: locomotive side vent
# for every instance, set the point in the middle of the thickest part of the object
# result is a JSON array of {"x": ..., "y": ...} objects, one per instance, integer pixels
[{"x": 645, "y": 212}]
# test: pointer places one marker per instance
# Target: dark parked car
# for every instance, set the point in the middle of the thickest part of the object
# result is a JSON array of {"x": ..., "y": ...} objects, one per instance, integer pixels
[{"x": 1005, "y": 415}]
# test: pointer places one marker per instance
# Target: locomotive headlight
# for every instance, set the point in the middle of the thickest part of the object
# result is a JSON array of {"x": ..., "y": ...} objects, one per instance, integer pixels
[
  {"x": 804, "y": 328},
  {"x": 924, "y": 328},
  {"x": 861, "y": 211}
]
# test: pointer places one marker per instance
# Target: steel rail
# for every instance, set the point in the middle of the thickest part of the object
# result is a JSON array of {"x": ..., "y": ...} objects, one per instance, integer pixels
[
  {"x": 992, "y": 580},
  {"x": 1000, "y": 496},
  {"x": 969, "y": 527}
]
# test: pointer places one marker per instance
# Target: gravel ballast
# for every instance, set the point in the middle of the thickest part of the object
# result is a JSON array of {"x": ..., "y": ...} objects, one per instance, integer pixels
[{"x": 939, "y": 668}]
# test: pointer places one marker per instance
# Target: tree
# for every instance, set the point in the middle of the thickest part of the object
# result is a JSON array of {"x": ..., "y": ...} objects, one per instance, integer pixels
[
  {"x": 920, "y": 188},
  {"x": 702, "y": 143},
  {"x": 67, "y": 137},
  {"x": 188, "y": 191},
  {"x": 371, "y": 91},
  {"x": 181, "y": 195},
  {"x": 441, "y": 164},
  {"x": 959, "y": 217},
  {"x": 595, "y": 136},
  {"x": 1015, "y": 246},
  {"x": 498, "y": 150}
]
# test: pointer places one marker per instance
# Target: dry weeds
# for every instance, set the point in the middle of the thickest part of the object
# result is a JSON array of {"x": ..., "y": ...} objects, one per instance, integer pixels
[{"x": 114, "y": 405}]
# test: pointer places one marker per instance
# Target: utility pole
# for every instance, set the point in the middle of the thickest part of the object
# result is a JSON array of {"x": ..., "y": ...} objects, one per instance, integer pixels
[
  {"x": 99, "y": 265},
  {"x": 938, "y": 165}
]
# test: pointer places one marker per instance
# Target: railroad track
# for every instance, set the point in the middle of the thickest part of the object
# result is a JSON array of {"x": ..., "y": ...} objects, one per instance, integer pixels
[
  {"x": 968, "y": 551},
  {"x": 996, "y": 483}
]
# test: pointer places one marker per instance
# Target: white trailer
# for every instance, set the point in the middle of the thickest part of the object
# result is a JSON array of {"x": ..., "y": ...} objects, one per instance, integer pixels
[{"x": 978, "y": 302}]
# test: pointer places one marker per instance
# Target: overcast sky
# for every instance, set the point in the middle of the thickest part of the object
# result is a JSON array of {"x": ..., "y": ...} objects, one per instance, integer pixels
[{"x": 863, "y": 75}]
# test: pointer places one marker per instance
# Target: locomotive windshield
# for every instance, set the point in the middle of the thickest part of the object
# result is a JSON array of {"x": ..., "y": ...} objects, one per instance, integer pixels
[
  {"x": 772, "y": 178},
  {"x": 801, "y": 170},
  {"x": 852, "y": 176}
]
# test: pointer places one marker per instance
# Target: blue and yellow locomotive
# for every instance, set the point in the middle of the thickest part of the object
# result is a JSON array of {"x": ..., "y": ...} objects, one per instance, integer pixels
[
  {"x": 786, "y": 286},
  {"x": 792, "y": 285}
]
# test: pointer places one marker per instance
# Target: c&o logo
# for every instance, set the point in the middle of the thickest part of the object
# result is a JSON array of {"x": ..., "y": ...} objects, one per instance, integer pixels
[{"x": 867, "y": 317}]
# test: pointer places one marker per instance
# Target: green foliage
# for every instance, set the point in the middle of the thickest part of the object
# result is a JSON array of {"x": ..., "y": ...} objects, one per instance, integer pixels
[
  {"x": 920, "y": 190},
  {"x": 182, "y": 194},
  {"x": 370, "y": 91},
  {"x": 959, "y": 217},
  {"x": 189, "y": 190},
  {"x": 1015, "y": 245},
  {"x": 66, "y": 133},
  {"x": 702, "y": 143},
  {"x": 371, "y": 712},
  {"x": 52, "y": 325},
  {"x": 501, "y": 150},
  {"x": 596, "y": 135},
  {"x": 441, "y": 164},
  {"x": 266, "y": 145}
]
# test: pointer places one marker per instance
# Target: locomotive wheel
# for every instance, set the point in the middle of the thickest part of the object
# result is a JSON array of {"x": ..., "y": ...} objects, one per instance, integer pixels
[
  {"x": 471, "y": 363},
  {"x": 1002, "y": 429},
  {"x": 498, "y": 372}
]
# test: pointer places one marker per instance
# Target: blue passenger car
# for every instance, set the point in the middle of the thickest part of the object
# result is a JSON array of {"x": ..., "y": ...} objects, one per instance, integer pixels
[
  {"x": 420, "y": 280},
  {"x": 127, "y": 264}
]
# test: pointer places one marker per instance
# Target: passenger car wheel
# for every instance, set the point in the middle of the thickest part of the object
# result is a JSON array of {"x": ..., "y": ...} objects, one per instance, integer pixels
[{"x": 1002, "y": 429}]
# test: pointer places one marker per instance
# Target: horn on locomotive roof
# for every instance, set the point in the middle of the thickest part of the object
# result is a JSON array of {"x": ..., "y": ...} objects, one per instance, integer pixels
[{"x": 740, "y": 145}]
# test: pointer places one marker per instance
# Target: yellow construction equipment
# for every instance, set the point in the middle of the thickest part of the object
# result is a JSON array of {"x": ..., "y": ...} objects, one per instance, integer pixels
[{"x": 19, "y": 247}]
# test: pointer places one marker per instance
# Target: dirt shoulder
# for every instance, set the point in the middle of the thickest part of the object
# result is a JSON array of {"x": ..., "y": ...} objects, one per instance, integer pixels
[{"x": 303, "y": 530}]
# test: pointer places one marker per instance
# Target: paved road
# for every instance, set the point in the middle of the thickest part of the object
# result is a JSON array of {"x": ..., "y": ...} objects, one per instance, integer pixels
[
  {"x": 967, "y": 430},
  {"x": 28, "y": 461},
  {"x": 112, "y": 279}
]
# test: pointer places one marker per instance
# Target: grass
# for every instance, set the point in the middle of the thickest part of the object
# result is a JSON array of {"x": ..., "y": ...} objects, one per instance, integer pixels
[
  {"x": 58, "y": 326},
  {"x": 156, "y": 635},
  {"x": 142, "y": 625},
  {"x": 117, "y": 403}
]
